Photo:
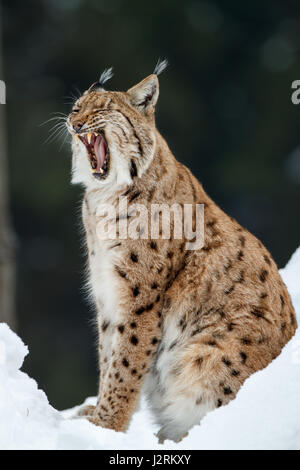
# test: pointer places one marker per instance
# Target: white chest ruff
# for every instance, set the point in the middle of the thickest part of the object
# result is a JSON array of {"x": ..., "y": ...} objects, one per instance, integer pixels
[{"x": 103, "y": 280}]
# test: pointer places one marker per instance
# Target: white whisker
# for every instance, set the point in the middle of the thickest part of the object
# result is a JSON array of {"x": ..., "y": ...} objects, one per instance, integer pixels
[
  {"x": 63, "y": 142},
  {"x": 57, "y": 118},
  {"x": 55, "y": 134}
]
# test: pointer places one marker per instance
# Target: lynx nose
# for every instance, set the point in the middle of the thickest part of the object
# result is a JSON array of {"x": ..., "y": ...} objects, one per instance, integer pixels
[{"x": 77, "y": 125}]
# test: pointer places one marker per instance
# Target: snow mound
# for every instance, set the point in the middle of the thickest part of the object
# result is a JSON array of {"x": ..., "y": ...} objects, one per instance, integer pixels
[
  {"x": 27, "y": 420},
  {"x": 265, "y": 414}
]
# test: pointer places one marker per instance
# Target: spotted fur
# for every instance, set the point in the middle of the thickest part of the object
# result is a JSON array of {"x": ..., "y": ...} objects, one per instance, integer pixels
[{"x": 188, "y": 326}]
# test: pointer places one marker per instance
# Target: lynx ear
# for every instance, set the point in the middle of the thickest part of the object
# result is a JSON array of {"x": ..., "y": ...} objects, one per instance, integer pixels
[{"x": 144, "y": 95}]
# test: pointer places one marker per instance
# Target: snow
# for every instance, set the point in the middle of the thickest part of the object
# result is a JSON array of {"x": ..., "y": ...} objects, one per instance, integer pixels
[
  {"x": 27, "y": 419},
  {"x": 264, "y": 415}
]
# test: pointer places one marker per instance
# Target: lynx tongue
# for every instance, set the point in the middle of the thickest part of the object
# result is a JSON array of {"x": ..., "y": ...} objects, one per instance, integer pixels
[{"x": 100, "y": 152}]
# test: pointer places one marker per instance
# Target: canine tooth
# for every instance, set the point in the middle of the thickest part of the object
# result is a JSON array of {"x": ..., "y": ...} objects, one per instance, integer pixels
[
  {"x": 89, "y": 137},
  {"x": 76, "y": 136},
  {"x": 101, "y": 171}
]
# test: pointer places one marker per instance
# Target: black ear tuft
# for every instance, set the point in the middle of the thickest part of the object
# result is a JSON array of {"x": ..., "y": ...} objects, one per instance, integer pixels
[
  {"x": 106, "y": 75},
  {"x": 160, "y": 66}
]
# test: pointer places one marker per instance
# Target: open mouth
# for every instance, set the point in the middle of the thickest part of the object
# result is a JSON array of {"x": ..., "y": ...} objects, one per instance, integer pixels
[{"x": 98, "y": 153}]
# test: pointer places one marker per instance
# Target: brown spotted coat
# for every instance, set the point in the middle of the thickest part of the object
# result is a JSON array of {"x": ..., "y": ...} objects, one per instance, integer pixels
[{"x": 189, "y": 325}]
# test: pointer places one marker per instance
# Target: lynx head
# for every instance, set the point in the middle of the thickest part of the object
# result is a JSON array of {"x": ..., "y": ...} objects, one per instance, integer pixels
[{"x": 113, "y": 133}]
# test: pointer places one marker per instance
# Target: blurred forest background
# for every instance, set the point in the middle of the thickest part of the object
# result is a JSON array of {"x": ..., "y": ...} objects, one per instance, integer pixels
[{"x": 225, "y": 109}]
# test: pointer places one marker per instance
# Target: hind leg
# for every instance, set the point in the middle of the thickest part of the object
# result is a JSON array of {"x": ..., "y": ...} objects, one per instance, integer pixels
[
  {"x": 176, "y": 410},
  {"x": 193, "y": 378},
  {"x": 202, "y": 362},
  {"x": 180, "y": 416},
  {"x": 177, "y": 396}
]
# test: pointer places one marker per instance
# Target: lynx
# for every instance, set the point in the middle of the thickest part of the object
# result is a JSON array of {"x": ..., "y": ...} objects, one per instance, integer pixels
[{"x": 185, "y": 327}]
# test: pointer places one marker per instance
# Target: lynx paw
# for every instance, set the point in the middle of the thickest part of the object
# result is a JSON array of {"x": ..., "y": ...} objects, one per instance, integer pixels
[
  {"x": 87, "y": 410},
  {"x": 162, "y": 438},
  {"x": 94, "y": 419}
]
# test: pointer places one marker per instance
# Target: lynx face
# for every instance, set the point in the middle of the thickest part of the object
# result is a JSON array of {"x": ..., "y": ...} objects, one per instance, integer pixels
[{"x": 113, "y": 134}]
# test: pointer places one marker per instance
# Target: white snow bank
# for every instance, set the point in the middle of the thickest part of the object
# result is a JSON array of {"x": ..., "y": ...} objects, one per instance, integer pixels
[
  {"x": 265, "y": 414},
  {"x": 26, "y": 419}
]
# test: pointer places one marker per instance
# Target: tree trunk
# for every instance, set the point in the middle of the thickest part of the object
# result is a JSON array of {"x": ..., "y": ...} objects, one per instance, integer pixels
[{"x": 7, "y": 265}]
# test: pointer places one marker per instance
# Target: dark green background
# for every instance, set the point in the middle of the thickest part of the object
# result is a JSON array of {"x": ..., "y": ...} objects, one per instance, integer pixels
[{"x": 225, "y": 109}]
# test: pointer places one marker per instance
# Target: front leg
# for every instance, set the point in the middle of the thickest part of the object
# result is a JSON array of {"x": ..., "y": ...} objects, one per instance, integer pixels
[
  {"x": 133, "y": 342},
  {"x": 128, "y": 283}
]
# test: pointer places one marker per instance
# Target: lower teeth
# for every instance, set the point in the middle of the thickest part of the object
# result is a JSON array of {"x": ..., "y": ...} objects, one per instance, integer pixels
[{"x": 94, "y": 164}]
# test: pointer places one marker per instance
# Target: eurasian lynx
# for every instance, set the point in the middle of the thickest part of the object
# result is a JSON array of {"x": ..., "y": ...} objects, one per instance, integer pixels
[{"x": 189, "y": 326}]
